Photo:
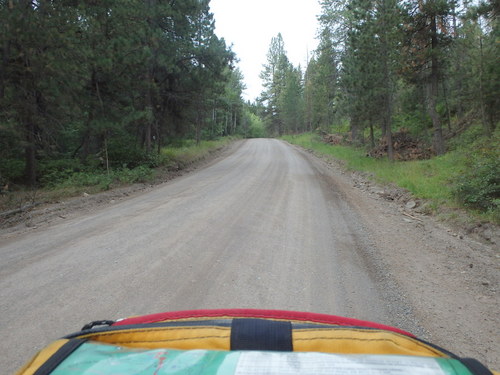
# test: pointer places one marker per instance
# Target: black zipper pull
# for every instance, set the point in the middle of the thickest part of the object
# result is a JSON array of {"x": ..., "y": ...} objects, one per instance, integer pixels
[{"x": 98, "y": 323}]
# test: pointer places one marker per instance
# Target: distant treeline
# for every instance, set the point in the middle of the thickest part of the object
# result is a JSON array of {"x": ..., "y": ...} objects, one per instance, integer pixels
[{"x": 109, "y": 82}]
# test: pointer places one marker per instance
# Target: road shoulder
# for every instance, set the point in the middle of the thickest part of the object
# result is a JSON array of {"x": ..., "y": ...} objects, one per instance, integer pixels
[
  {"x": 41, "y": 216},
  {"x": 451, "y": 280}
]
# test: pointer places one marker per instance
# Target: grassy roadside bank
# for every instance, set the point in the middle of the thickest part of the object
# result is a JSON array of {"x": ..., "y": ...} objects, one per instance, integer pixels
[
  {"x": 67, "y": 182},
  {"x": 432, "y": 180}
]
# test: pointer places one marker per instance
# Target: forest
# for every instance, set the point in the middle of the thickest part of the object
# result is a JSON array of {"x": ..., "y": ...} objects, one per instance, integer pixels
[
  {"x": 107, "y": 85},
  {"x": 429, "y": 66},
  {"x": 404, "y": 80}
]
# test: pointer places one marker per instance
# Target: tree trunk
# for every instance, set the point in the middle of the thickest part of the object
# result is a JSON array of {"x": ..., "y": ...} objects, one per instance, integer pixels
[
  {"x": 30, "y": 154},
  {"x": 387, "y": 125},
  {"x": 151, "y": 61},
  {"x": 158, "y": 138},
  {"x": 309, "y": 120},
  {"x": 86, "y": 137},
  {"x": 30, "y": 109},
  {"x": 355, "y": 129},
  {"x": 387, "y": 113},
  {"x": 235, "y": 121},
  {"x": 106, "y": 151},
  {"x": 198, "y": 128},
  {"x": 149, "y": 111},
  {"x": 488, "y": 129},
  {"x": 225, "y": 124},
  {"x": 5, "y": 59},
  {"x": 85, "y": 146},
  {"x": 214, "y": 122},
  {"x": 448, "y": 111},
  {"x": 388, "y": 136},
  {"x": 372, "y": 134},
  {"x": 433, "y": 91}
]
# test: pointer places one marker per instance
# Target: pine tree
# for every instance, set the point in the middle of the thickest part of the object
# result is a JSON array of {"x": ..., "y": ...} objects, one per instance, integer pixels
[
  {"x": 387, "y": 39},
  {"x": 324, "y": 77},
  {"x": 40, "y": 77},
  {"x": 291, "y": 101},
  {"x": 427, "y": 32},
  {"x": 474, "y": 70},
  {"x": 274, "y": 78}
]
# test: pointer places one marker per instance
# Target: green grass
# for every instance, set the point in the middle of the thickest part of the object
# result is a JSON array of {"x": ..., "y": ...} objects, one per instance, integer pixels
[
  {"x": 189, "y": 152},
  {"x": 64, "y": 181},
  {"x": 432, "y": 179},
  {"x": 99, "y": 180}
]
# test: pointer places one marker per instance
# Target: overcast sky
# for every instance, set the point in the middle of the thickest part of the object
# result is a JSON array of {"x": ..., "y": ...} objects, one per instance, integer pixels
[{"x": 250, "y": 24}]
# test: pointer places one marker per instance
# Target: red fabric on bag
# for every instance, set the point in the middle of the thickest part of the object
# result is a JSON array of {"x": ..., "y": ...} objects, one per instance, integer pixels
[{"x": 255, "y": 313}]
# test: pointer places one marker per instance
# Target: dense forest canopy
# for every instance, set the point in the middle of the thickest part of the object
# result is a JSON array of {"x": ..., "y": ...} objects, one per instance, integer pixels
[
  {"x": 109, "y": 80},
  {"x": 107, "y": 84}
]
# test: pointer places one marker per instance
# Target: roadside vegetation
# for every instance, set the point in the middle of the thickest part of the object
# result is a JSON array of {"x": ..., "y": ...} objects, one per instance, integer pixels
[
  {"x": 460, "y": 179},
  {"x": 86, "y": 105},
  {"x": 69, "y": 178}
]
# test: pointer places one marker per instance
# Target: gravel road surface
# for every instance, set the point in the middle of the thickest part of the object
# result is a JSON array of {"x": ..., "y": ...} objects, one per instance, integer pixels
[{"x": 266, "y": 226}]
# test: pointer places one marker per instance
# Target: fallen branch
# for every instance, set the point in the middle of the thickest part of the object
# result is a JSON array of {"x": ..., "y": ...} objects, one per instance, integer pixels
[
  {"x": 413, "y": 217},
  {"x": 19, "y": 210}
]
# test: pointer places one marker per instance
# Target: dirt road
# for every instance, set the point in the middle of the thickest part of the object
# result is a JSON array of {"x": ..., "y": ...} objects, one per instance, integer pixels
[{"x": 267, "y": 226}]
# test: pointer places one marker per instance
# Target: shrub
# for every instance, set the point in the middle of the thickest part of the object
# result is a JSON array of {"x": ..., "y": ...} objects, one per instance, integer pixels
[
  {"x": 479, "y": 186},
  {"x": 103, "y": 180},
  {"x": 11, "y": 170},
  {"x": 138, "y": 174},
  {"x": 55, "y": 172},
  {"x": 123, "y": 155},
  {"x": 256, "y": 128}
]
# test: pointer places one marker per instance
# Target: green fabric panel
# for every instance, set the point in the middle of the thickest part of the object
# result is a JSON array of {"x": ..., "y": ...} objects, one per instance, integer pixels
[{"x": 93, "y": 358}]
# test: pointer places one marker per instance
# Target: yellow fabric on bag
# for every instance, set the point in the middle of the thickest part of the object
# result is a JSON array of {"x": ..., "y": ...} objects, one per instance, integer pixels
[
  {"x": 182, "y": 338},
  {"x": 337, "y": 340},
  {"x": 41, "y": 357},
  {"x": 359, "y": 341}
]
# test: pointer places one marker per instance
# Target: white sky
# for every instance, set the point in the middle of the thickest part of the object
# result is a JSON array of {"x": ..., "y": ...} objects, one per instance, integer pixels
[{"x": 251, "y": 24}]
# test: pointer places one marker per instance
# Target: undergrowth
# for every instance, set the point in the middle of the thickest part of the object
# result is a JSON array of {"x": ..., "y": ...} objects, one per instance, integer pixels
[
  {"x": 69, "y": 177},
  {"x": 466, "y": 178},
  {"x": 179, "y": 156}
]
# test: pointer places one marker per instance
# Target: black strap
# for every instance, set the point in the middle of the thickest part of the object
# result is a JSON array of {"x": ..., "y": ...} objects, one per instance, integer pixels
[
  {"x": 475, "y": 367},
  {"x": 260, "y": 334},
  {"x": 58, "y": 357}
]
